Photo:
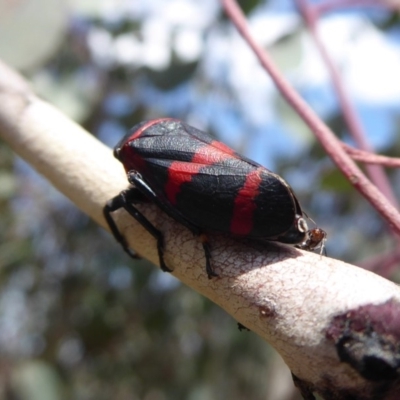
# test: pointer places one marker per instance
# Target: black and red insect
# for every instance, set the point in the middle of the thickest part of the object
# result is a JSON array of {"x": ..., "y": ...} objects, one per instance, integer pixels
[{"x": 206, "y": 186}]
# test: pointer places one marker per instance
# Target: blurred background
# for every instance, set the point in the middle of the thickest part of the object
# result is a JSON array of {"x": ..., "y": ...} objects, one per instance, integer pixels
[{"x": 78, "y": 318}]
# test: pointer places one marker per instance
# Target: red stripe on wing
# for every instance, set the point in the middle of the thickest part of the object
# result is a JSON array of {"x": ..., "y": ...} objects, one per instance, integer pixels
[
  {"x": 179, "y": 172},
  {"x": 244, "y": 206},
  {"x": 212, "y": 154},
  {"x": 223, "y": 147}
]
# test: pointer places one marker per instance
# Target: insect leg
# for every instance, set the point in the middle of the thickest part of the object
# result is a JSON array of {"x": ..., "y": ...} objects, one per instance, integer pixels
[
  {"x": 136, "y": 179},
  {"x": 207, "y": 252},
  {"x": 125, "y": 200},
  {"x": 112, "y": 205}
]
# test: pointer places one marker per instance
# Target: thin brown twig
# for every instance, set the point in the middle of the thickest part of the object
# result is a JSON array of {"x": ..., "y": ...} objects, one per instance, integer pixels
[
  {"x": 327, "y": 138},
  {"x": 353, "y": 121},
  {"x": 371, "y": 158}
]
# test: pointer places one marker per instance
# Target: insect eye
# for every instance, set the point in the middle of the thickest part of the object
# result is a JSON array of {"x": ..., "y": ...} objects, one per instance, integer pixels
[{"x": 302, "y": 225}]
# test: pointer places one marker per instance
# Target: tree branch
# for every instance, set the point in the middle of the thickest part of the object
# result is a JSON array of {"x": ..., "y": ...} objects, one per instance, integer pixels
[
  {"x": 302, "y": 303},
  {"x": 371, "y": 158}
]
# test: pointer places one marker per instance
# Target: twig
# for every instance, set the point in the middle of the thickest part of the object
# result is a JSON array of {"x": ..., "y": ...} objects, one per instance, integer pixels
[
  {"x": 371, "y": 158},
  {"x": 377, "y": 174},
  {"x": 326, "y": 137}
]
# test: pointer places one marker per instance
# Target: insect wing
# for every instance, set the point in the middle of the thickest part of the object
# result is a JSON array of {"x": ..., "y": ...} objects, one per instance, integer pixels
[{"x": 206, "y": 182}]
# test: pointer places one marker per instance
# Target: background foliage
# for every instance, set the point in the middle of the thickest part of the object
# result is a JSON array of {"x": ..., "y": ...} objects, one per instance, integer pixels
[{"x": 78, "y": 319}]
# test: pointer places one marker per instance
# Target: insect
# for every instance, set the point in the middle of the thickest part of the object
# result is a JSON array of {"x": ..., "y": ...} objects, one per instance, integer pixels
[{"x": 206, "y": 186}]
